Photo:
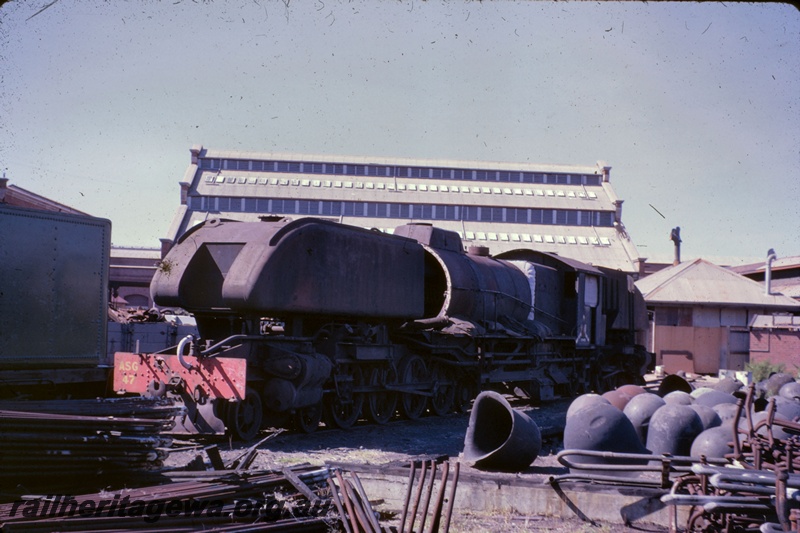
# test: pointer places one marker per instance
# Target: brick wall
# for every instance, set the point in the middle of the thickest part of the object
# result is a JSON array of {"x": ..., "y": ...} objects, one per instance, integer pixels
[{"x": 778, "y": 346}]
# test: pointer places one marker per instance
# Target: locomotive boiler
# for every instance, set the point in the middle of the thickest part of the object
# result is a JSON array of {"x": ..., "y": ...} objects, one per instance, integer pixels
[{"x": 307, "y": 320}]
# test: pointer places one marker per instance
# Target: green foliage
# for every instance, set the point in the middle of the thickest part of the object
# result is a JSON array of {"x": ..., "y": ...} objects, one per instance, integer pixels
[
  {"x": 165, "y": 266},
  {"x": 761, "y": 370}
]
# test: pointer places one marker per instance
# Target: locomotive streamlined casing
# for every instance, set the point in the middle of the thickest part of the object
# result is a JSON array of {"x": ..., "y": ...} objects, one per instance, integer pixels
[
  {"x": 283, "y": 267},
  {"x": 472, "y": 287},
  {"x": 337, "y": 318}
]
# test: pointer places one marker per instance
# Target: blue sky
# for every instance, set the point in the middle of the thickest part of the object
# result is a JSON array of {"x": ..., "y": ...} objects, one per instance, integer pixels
[{"x": 696, "y": 107}]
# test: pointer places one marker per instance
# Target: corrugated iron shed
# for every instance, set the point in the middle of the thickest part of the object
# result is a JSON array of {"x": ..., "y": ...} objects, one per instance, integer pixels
[
  {"x": 781, "y": 263},
  {"x": 703, "y": 283},
  {"x": 785, "y": 275}
]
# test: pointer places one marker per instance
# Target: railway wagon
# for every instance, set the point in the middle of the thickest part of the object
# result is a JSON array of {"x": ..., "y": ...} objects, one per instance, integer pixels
[
  {"x": 53, "y": 303},
  {"x": 301, "y": 321}
]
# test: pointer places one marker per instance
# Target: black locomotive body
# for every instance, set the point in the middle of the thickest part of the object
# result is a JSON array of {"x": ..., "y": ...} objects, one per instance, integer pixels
[{"x": 310, "y": 319}]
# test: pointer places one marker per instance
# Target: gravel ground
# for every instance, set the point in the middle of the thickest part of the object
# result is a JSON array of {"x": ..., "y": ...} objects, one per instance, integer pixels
[{"x": 399, "y": 442}]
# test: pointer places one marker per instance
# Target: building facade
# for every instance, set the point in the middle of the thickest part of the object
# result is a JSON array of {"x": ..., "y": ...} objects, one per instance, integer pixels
[
  {"x": 569, "y": 210},
  {"x": 776, "y": 340},
  {"x": 701, "y": 315}
]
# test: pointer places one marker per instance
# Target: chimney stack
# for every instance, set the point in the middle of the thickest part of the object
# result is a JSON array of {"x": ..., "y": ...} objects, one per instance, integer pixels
[
  {"x": 771, "y": 256},
  {"x": 675, "y": 236}
]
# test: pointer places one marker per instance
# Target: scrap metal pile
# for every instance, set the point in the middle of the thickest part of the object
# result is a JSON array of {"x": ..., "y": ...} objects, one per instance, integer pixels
[
  {"x": 728, "y": 455},
  {"x": 231, "y": 499},
  {"x": 297, "y": 499},
  {"x": 82, "y": 444}
]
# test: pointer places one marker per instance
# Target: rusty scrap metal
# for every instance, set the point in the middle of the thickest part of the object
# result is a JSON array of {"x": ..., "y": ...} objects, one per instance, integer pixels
[
  {"x": 45, "y": 445},
  {"x": 251, "y": 501},
  {"x": 751, "y": 484},
  {"x": 426, "y": 486},
  {"x": 757, "y": 489}
]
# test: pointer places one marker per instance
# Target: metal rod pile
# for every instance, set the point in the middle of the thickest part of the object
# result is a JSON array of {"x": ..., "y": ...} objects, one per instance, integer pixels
[
  {"x": 296, "y": 499},
  {"x": 422, "y": 496},
  {"x": 757, "y": 490},
  {"x": 353, "y": 505},
  {"x": 75, "y": 443}
]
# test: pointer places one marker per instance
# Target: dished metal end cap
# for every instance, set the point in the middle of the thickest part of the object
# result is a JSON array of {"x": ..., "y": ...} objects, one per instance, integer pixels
[
  {"x": 639, "y": 411},
  {"x": 672, "y": 430},
  {"x": 790, "y": 391},
  {"x": 500, "y": 437},
  {"x": 713, "y": 442},
  {"x": 673, "y": 382},
  {"x": 583, "y": 400},
  {"x": 713, "y": 397},
  {"x": 601, "y": 427}
]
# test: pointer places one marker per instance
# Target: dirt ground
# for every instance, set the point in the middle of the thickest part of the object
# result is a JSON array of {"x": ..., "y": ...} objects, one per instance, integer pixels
[{"x": 398, "y": 443}]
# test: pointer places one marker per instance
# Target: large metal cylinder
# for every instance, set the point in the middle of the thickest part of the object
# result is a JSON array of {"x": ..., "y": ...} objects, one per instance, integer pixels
[
  {"x": 500, "y": 437},
  {"x": 469, "y": 286},
  {"x": 283, "y": 267},
  {"x": 481, "y": 289}
]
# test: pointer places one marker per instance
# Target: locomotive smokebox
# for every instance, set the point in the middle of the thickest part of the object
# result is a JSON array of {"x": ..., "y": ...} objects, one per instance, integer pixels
[{"x": 473, "y": 287}]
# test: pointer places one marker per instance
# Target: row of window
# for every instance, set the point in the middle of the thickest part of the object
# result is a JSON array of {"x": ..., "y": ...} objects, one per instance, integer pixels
[
  {"x": 490, "y": 236},
  {"x": 392, "y": 171},
  {"x": 518, "y": 215},
  {"x": 423, "y": 187},
  {"x": 529, "y": 237}
]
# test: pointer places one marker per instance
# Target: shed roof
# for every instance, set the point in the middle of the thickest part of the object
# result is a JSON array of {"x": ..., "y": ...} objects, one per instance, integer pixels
[
  {"x": 781, "y": 263},
  {"x": 701, "y": 282}
]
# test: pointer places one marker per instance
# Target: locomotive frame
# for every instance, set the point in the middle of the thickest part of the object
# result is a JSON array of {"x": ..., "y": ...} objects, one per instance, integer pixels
[{"x": 309, "y": 320}]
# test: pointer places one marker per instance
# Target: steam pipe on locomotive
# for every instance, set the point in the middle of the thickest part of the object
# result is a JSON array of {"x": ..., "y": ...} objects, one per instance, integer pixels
[{"x": 306, "y": 320}]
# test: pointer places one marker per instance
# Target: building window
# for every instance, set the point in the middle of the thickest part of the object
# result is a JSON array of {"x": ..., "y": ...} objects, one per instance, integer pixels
[
  {"x": 571, "y": 218},
  {"x": 517, "y": 215},
  {"x": 674, "y": 316}
]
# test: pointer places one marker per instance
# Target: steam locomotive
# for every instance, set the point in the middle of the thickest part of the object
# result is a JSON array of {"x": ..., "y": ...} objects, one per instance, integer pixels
[{"x": 301, "y": 321}]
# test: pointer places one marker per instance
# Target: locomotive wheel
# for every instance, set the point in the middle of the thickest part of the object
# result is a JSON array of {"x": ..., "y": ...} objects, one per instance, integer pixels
[
  {"x": 244, "y": 418},
  {"x": 344, "y": 408},
  {"x": 307, "y": 419},
  {"x": 381, "y": 405},
  {"x": 413, "y": 372},
  {"x": 443, "y": 390}
]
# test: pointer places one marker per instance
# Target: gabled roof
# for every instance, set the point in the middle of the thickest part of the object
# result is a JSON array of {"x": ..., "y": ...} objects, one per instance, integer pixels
[
  {"x": 781, "y": 263},
  {"x": 17, "y": 196},
  {"x": 701, "y": 282}
]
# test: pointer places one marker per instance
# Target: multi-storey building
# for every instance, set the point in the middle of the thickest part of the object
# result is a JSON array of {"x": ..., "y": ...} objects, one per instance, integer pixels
[{"x": 569, "y": 210}]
